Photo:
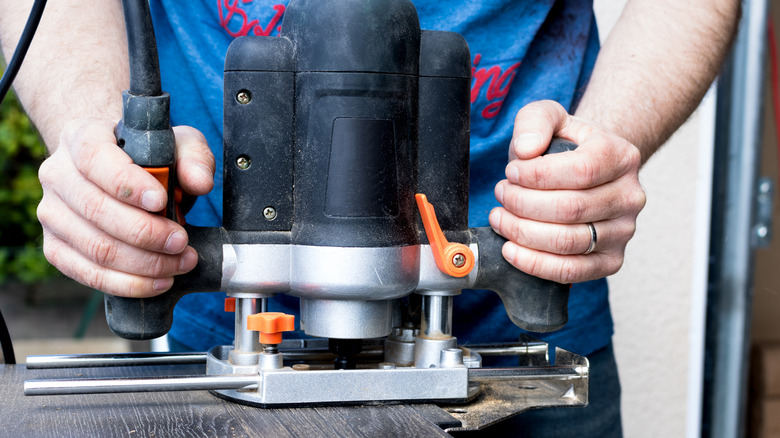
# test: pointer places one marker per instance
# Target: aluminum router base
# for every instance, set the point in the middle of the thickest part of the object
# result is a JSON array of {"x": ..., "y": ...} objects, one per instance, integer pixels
[
  {"x": 287, "y": 386},
  {"x": 477, "y": 397}
]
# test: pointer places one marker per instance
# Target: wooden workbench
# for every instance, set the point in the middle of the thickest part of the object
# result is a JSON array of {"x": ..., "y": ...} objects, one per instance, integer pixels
[{"x": 189, "y": 413}]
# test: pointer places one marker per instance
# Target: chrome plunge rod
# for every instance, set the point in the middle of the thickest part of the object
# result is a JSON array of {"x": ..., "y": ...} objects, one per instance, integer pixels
[
  {"x": 149, "y": 384},
  {"x": 247, "y": 341},
  {"x": 113, "y": 360},
  {"x": 437, "y": 316}
]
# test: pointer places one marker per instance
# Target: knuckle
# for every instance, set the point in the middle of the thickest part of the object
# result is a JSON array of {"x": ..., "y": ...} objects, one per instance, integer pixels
[
  {"x": 197, "y": 135},
  {"x": 565, "y": 242},
  {"x": 568, "y": 271},
  {"x": 533, "y": 265},
  {"x": 632, "y": 157},
  {"x": 95, "y": 278},
  {"x": 550, "y": 109},
  {"x": 628, "y": 229},
  {"x": 571, "y": 209},
  {"x": 85, "y": 156},
  {"x": 92, "y": 208},
  {"x": 516, "y": 232},
  {"x": 50, "y": 251},
  {"x": 141, "y": 232},
  {"x": 124, "y": 182},
  {"x": 513, "y": 202},
  {"x": 135, "y": 288},
  {"x": 541, "y": 109},
  {"x": 635, "y": 199},
  {"x": 539, "y": 176},
  {"x": 44, "y": 212},
  {"x": 640, "y": 199},
  {"x": 587, "y": 172},
  {"x": 45, "y": 172},
  {"x": 101, "y": 250},
  {"x": 160, "y": 266},
  {"x": 613, "y": 264}
]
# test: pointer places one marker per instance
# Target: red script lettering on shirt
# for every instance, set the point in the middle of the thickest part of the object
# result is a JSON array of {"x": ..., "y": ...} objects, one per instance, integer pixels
[
  {"x": 228, "y": 11},
  {"x": 498, "y": 87}
]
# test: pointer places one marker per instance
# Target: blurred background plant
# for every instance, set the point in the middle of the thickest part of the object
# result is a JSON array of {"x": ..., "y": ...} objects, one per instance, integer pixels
[{"x": 21, "y": 152}]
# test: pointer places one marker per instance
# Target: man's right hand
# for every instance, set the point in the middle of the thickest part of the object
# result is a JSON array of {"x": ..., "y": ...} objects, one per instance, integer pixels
[{"x": 97, "y": 228}]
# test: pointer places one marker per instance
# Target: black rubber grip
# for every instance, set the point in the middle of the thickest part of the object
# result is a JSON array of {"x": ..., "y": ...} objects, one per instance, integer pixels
[
  {"x": 149, "y": 318},
  {"x": 532, "y": 303}
]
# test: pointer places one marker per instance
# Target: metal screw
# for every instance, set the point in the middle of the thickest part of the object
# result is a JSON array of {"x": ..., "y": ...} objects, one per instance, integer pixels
[
  {"x": 459, "y": 260},
  {"x": 243, "y": 97},
  {"x": 243, "y": 162},
  {"x": 269, "y": 213}
]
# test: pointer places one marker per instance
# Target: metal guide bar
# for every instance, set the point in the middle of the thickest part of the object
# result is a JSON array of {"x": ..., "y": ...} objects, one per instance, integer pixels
[
  {"x": 141, "y": 359},
  {"x": 148, "y": 384}
]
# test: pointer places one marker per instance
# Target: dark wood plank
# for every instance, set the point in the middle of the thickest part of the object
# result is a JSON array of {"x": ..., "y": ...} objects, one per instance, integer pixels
[{"x": 188, "y": 413}]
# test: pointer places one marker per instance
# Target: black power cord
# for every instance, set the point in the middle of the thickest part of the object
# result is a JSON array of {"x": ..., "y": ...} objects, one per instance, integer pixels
[
  {"x": 21, "y": 49},
  {"x": 142, "y": 49},
  {"x": 6, "y": 344},
  {"x": 5, "y": 84}
]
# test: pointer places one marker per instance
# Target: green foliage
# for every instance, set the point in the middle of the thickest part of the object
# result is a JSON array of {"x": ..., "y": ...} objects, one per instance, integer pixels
[{"x": 21, "y": 152}]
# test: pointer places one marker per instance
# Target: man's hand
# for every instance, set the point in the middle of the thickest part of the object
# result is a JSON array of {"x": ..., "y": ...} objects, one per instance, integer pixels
[
  {"x": 95, "y": 211},
  {"x": 548, "y": 200}
]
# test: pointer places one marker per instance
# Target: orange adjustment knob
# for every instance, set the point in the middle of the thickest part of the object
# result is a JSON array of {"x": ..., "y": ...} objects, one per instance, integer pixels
[
  {"x": 453, "y": 259},
  {"x": 230, "y": 304},
  {"x": 271, "y": 325}
]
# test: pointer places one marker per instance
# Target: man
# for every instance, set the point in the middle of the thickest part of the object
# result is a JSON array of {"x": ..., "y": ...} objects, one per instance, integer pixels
[{"x": 649, "y": 76}]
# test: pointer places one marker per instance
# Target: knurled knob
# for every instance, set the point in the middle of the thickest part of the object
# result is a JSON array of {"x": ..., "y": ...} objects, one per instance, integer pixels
[{"x": 271, "y": 325}]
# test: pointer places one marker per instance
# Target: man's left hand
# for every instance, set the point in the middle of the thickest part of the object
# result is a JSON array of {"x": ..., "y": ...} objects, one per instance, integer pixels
[{"x": 549, "y": 200}]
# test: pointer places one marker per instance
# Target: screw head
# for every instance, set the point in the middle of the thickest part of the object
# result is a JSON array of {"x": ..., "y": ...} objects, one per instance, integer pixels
[
  {"x": 244, "y": 97},
  {"x": 243, "y": 162},
  {"x": 459, "y": 260},
  {"x": 269, "y": 213}
]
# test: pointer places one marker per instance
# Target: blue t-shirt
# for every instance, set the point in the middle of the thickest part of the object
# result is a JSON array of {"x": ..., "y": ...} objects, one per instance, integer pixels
[{"x": 522, "y": 51}]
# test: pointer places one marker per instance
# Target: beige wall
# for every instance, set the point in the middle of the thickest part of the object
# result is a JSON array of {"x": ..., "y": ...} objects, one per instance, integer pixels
[{"x": 657, "y": 297}]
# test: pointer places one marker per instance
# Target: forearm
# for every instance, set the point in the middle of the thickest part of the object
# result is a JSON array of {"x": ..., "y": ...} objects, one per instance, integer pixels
[
  {"x": 656, "y": 66},
  {"x": 76, "y": 66}
]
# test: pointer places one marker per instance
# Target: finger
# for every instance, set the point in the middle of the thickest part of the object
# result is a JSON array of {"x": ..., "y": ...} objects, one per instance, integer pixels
[
  {"x": 543, "y": 236},
  {"x": 71, "y": 263},
  {"x": 623, "y": 197},
  {"x": 94, "y": 153},
  {"x": 560, "y": 239},
  {"x": 600, "y": 159},
  {"x": 562, "y": 268},
  {"x": 195, "y": 165},
  {"x": 124, "y": 222},
  {"x": 105, "y": 251},
  {"x": 535, "y": 125}
]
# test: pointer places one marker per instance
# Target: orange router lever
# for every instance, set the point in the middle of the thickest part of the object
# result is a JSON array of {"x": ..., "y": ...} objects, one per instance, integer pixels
[
  {"x": 453, "y": 259},
  {"x": 162, "y": 174}
]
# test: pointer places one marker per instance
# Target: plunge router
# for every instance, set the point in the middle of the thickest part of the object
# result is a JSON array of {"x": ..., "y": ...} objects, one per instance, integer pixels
[{"x": 346, "y": 151}]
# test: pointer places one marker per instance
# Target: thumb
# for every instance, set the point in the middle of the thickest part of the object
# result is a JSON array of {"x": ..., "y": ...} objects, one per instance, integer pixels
[
  {"x": 535, "y": 126},
  {"x": 195, "y": 165}
]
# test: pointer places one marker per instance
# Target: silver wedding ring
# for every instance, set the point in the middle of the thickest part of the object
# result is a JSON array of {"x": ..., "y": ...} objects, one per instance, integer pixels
[{"x": 593, "y": 238}]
